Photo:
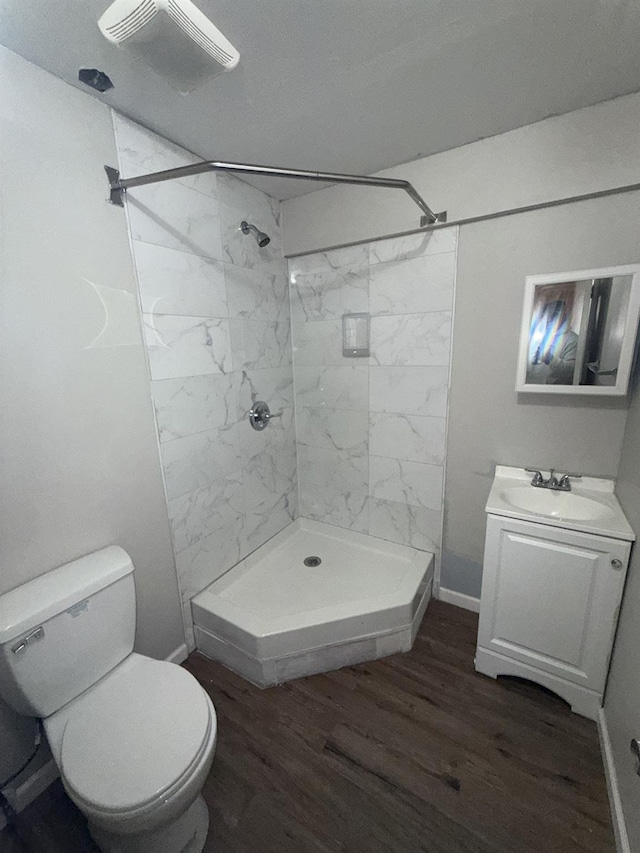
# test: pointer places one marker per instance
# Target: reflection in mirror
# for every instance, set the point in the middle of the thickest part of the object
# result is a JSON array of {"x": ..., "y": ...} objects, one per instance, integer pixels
[
  {"x": 579, "y": 333},
  {"x": 553, "y": 335},
  {"x": 576, "y": 331}
]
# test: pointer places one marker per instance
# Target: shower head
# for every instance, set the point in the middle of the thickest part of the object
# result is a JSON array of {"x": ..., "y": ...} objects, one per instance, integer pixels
[{"x": 262, "y": 238}]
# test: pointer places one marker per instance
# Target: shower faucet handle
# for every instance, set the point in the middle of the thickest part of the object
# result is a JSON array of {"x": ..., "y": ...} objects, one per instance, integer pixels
[{"x": 260, "y": 415}]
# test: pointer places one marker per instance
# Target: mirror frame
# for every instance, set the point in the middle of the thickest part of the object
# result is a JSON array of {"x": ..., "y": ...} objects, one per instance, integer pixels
[{"x": 628, "y": 344}]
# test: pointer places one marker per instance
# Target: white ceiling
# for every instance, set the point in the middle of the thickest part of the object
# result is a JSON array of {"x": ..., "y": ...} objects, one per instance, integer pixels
[{"x": 354, "y": 85}]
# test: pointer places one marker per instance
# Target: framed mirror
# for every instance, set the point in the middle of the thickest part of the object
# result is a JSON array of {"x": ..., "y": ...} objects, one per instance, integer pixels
[{"x": 579, "y": 331}]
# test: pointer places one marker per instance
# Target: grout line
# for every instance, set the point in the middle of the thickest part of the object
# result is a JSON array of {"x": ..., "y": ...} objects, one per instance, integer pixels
[{"x": 438, "y": 568}]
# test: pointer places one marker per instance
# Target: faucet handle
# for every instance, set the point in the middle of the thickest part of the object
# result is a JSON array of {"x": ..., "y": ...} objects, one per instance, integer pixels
[
  {"x": 538, "y": 479},
  {"x": 564, "y": 480}
]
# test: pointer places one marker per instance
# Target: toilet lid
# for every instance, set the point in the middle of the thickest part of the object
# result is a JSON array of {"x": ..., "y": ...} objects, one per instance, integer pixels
[{"x": 140, "y": 733}]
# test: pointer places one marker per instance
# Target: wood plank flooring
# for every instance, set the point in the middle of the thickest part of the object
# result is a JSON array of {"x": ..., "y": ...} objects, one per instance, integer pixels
[
  {"x": 416, "y": 752},
  {"x": 52, "y": 824}
]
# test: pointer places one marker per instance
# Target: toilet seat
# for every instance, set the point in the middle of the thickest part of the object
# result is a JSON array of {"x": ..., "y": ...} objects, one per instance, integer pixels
[{"x": 135, "y": 738}]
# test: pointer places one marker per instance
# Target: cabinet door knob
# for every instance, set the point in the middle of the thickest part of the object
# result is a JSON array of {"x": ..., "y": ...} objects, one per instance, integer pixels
[{"x": 617, "y": 564}]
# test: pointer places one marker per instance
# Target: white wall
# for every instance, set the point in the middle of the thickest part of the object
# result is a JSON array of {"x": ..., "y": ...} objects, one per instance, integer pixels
[
  {"x": 17, "y": 736},
  {"x": 584, "y": 151},
  {"x": 488, "y": 422},
  {"x": 80, "y": 466},
  {"x": 622, "y": 700},
  {"x": 218, "y": 337}
]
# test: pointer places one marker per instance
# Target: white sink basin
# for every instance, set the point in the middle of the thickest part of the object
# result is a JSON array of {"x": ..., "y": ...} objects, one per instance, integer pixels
[
  {"x": 591, "y": 507},
  {"x": 555, "y": 504}
]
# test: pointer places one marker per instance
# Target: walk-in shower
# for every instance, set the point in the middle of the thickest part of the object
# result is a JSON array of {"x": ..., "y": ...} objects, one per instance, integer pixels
[{"x": 276, "y": 581}]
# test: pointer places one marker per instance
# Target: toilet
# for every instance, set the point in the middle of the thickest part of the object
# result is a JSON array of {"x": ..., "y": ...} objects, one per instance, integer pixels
[{"x": 133, "y": 737}]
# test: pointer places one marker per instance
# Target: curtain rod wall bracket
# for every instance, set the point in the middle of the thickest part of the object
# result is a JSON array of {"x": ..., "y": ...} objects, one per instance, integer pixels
[
  {"x": 116, "y": 191},
  {"x": 118, "y": 186},
  {"x": 440, "y": 217}
]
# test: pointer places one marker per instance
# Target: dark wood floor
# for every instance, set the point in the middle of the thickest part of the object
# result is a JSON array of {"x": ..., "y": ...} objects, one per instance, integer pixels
[
  {"x": 50, "y": 825},
  {"x": 416, "y": 752}
]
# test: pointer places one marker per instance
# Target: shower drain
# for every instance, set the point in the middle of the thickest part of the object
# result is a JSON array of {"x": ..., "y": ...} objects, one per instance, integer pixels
[{"x": 312, "y": 561}]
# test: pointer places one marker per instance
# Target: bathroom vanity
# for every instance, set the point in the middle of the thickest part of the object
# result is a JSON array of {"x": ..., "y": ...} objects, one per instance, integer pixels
[{"x": 554, "y": 570}]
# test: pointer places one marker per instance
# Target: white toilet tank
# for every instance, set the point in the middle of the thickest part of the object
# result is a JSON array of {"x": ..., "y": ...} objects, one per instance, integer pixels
[{"x": 63, "y": 631}]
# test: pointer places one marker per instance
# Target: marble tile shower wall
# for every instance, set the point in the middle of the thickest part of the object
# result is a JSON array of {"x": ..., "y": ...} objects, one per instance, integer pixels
[
  {"x": 217, "y": 327},
  {"x": 371, "y": 431}
]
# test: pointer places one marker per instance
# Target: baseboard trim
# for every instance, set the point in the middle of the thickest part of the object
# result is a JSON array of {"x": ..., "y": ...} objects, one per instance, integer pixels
[
  {"x": 178, "y": 655},
  {"x": 24, "y": 794},
  {"x": 459, "y": 599},
  {"x": 615, "y": 803}
]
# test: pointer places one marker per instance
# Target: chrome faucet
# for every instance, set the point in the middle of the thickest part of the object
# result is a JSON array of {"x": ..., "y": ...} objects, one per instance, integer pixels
[{"x": 552, "y": 482}]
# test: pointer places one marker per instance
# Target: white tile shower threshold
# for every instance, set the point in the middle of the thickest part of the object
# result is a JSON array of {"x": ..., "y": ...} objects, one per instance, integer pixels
[{"x": 272, "y": 618}]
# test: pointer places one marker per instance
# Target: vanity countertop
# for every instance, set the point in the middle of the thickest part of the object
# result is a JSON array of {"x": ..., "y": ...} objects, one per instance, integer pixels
[{"x": 591, "y": 506}]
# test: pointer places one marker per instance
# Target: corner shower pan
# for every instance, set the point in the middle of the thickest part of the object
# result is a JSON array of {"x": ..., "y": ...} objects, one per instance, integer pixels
[{"x": 280, "y": 614}]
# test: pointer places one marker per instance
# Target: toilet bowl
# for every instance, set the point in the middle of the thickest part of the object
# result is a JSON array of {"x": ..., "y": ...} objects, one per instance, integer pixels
[
  {"x": 134, "y": 750},
  {"x": 133, "y": 737}
]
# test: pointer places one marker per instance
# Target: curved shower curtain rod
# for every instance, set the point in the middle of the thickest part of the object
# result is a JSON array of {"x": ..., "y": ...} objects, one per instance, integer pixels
[{"x": 118, "y": 186}]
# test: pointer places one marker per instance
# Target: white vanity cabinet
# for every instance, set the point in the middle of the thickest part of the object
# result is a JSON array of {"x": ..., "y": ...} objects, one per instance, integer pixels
[{"x": 549, "y": 607}]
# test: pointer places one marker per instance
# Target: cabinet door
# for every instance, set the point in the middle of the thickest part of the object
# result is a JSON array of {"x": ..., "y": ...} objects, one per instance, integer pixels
[{"x": 550, "y": 598}]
